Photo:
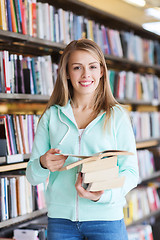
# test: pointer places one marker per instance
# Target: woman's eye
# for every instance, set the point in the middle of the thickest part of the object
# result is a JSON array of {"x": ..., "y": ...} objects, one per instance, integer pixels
[
  {"x": 93, "y": 67},
  {"x": 76, "y": 68}
]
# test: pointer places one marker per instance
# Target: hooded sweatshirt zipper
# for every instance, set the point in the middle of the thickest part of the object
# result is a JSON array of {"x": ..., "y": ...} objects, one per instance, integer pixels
[
  {"x": 79, "y": 151},
  {"x": 77, "y": 198},
  {"x": 79, "y": 138}
]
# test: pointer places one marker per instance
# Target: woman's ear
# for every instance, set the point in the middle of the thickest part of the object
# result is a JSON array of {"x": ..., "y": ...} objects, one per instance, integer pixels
[
  {"x": 102, "y": 71},
  {"x": 68, "y": 77}
]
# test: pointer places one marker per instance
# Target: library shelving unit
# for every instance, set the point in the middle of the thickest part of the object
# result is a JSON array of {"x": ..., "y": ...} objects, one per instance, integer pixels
[{"x": 17, "y": 43}]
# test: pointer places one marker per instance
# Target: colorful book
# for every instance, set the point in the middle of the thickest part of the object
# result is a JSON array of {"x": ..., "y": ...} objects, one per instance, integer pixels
[
  {"x": 9, "y": 15},
  {"x": 4, "y": 118},
  {"x": 13, "y": 17}
]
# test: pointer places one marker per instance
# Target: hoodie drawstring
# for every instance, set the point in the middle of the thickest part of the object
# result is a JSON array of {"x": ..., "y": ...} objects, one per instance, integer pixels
[{"x": 66, "y": 125}]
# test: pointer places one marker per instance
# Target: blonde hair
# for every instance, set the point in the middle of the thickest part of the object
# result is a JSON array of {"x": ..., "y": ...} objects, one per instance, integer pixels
[{"x": 63, "y": 90}]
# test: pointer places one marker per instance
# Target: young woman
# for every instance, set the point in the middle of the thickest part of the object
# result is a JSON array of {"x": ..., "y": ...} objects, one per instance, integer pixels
[{"x": 82, "y": 117}]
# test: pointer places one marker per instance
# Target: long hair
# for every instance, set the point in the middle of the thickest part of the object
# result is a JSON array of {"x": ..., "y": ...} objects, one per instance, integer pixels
[{"x": 63, "y": 90}]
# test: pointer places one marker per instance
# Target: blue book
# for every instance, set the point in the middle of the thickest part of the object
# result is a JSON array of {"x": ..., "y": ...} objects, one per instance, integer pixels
[
  {"x": 9, "y": 15},
  {"x": 33, "y": 75}
]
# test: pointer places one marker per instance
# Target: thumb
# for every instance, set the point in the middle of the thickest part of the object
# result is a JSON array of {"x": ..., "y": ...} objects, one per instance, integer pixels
[{"x": 54, "y": 150}]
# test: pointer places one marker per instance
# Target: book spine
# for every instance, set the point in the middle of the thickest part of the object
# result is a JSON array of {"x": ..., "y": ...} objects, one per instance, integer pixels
[
  {"x": 13, "y": 19},
  {"x": 34, "y": 19},
  {"x": 24, "y": 18},
  {"x": 9, "y": 15}
]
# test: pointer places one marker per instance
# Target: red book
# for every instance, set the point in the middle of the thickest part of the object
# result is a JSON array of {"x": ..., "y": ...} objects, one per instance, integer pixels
[
  {"x": 23, "y": 12},
  {"x": 7, "y": 134},
  {"x": 6, "y": 70},
  {"x": 34, "y": 25}
]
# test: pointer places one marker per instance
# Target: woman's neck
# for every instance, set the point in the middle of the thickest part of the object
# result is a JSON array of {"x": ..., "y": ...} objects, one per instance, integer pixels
[{"x": 82, "y": 103}]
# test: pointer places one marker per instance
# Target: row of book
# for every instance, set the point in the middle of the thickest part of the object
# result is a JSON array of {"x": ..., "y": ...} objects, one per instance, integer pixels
[
  {"x": 140, "y": 232},
  {"x": 18, "y": 197},
  {"x": 146, "y": 125},
  {"x": 17, "y": 134},
  {"x": 141, "y": 202},
  {"x": 26, "y": 75},
  {"x": 45, "y": 21},
  {"x": 146, "y": 163},
  {"x": 134, "y": 86}
]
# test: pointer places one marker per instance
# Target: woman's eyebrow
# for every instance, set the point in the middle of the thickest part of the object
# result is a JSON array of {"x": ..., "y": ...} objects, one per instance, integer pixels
[{"x": 89, "y": 63}]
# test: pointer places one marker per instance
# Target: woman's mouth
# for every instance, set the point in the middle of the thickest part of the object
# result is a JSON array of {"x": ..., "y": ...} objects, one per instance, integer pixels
[{"x": 86, "y": 83}]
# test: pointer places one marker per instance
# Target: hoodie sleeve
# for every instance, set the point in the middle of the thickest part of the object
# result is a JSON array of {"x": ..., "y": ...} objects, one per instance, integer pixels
[
  {"x": 128, "y": 165},
  {"x": 35, "y": 173}
]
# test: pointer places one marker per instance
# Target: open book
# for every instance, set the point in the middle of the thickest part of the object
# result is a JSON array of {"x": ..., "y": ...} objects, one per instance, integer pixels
[
  {"x": 95, "y": 157},
  {"x": 100, "y": 171}
]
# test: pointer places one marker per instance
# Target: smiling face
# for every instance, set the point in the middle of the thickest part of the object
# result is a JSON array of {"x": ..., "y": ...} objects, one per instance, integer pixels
[{"x": 84, "y": 72}]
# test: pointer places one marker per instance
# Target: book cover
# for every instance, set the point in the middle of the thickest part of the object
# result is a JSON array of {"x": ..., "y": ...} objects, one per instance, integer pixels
[
  {"x": 19, "y": 135},
  {"x": 4, "y": 15},
  {"x": 4, "y": 198},
  {"x": 40, "y": 28},
  {"x": 1, "y": 16},
  {"x": 105, "y": 40},
  {"x": 106, "y": 163},
  {"x": 2, "y": 83},
  {"x": 104, "y": 185},
  {"x": 22, "y": 132},
  {"x": 34, "y": 18},
  {"x": 13, "y": 17},
  {"x": 18, "y": 16},
  {"x": 3, "y": 140},
  {"x": 5, "y": 70},
  {"x": 26, "y": 75},
  {"x": 9, "y": 15},
  {"x": 12, "y": 193},
  {"x": 21, "y": 87},
  {"x": 23, "y": 14},
  {"x": 4, "y": 118},
  {"x": 100, "y": 175},
  {"x": 21, "y": 195}
]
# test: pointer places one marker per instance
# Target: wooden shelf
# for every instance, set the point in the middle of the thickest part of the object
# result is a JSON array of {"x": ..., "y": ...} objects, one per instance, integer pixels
[
  {"x": 128, "y": 65},
  {"x": 154, "y": 102},
  {"x": 11, "y": 167},
  {"x": 25, "y": 44},
  {"x": 20, "y": 219},
  {"x": 145, "y": 218},
  {"x": 15, "y": 166},
  {"x": 147, "y": 143},
  {"x": 151, "y": 177},
  {"x": 23, "y": 97}
]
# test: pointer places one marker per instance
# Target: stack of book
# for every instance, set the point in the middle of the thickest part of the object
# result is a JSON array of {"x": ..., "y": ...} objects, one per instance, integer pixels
[{"x": 100, "y": 171}]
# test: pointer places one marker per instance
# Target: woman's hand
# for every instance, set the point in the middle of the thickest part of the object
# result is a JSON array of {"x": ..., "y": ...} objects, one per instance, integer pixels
[
  {"x": 52, "y": 161},
  {"x": 94, "y": 196}
]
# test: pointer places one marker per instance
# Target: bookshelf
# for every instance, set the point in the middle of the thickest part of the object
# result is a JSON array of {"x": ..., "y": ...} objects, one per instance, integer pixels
[
  {"x": 147, "y": 143},
  {"x": 144, "y": 219},
  {"x": 23, "y": 218},
  {"x": 11, "y": 167},
  {"x": 17, "y": 43}
]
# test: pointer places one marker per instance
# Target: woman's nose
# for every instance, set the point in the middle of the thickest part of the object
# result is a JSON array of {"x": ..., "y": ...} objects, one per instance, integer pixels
[{"x": 86, "y": 73}]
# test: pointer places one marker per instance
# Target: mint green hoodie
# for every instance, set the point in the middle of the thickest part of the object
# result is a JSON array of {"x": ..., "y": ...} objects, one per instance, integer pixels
[{"x": 58, "y": 129}]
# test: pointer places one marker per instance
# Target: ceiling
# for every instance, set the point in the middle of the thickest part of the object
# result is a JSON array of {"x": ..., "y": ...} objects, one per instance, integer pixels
[{"x": 126, "y": 11}]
